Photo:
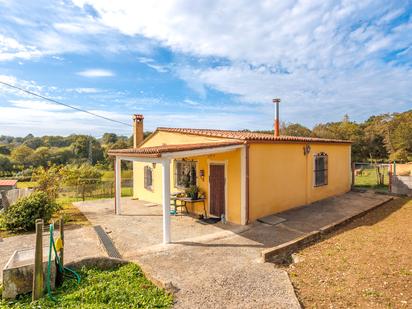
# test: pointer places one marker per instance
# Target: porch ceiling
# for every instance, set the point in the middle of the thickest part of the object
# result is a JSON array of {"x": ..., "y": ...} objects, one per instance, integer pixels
[{"x": 172, "y": 151}]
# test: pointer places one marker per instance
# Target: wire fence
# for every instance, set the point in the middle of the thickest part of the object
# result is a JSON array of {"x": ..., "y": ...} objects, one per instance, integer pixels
[{"x": 99, "y": 189}]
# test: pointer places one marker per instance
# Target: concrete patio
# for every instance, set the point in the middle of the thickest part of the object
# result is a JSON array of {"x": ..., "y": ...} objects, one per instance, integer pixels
[{"x": 139, "y": 227}]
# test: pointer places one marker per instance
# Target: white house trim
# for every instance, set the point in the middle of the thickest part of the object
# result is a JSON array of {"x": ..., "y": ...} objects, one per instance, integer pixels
[
  {"x": 166, "y": 200},
  {"x": 243, "y": 185}
]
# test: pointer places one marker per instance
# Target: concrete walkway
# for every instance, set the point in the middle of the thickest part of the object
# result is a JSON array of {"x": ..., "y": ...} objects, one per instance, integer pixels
[{"x": 220, "y": 266}]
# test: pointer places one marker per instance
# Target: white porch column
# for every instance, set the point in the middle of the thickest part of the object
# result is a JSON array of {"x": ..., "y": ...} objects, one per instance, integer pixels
[
  {"x": 166, "y": 200},
  {"x": 118, "y": 184}
]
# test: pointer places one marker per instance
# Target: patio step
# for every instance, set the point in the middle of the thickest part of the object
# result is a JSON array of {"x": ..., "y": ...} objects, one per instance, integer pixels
[{"x": 107, "y": 243}]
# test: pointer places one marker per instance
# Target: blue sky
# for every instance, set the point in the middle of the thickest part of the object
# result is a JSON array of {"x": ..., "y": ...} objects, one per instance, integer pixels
[{"x": 208, "y": 64}]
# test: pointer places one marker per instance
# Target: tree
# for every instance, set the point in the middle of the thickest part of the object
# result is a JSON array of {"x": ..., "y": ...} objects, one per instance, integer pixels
[
  {"x": 22, "y": 155},
  {"x": 4, "y": 149},
  {"x": 48, "y": 180},
  {"x": 84, "y": 177},
  {"x": 41, "y": 156},
  {"x": 5, "y": 164},
  {"x": 34, "y": 142},
  {"x": 87, "y": 148},
  {"x": 294, "y": 129},
  {"x": 109, "y": 138}
]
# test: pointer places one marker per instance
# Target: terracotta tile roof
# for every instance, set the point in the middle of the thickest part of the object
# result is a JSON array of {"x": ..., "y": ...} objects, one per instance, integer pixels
[
  {"x": 250, "y": 136},
  {"x": 157, "y": 151},
  {"x": 8, "y": 182}
]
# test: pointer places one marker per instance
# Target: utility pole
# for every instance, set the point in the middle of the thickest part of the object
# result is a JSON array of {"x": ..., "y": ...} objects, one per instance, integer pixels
[{"x": 90, "y": 150}]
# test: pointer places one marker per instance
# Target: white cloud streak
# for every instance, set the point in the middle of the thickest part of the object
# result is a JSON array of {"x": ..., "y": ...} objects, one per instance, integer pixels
[{"x": 96, "y": 73}]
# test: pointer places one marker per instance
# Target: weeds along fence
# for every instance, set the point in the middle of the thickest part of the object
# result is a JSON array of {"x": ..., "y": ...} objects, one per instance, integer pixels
[{"x": 96, "y": 189}]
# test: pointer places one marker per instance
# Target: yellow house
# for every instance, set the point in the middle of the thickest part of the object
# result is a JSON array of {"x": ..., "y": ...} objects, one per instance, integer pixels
[{"x": 243, "y": 175}]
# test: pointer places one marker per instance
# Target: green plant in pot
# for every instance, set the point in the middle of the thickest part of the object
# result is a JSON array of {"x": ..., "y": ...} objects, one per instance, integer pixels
[{"x": 193, "y": 192}]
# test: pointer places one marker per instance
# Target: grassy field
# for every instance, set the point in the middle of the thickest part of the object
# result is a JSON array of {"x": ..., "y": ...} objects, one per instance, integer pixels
[
  {"x": 364, "y": 265},
  {"x": 122, "y": 287},
  {"x": 368, "y": 180}
]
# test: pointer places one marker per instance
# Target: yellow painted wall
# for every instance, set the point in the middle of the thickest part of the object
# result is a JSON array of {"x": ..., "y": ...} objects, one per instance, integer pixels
[
  {"x": 233, "y": 182},
  {"x": 281, "y": 177},
  {"x": 403, "y": 169},
  {"x": 170, "y": 138}
]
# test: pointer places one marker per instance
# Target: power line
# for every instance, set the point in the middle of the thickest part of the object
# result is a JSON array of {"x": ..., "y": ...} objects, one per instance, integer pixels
[{"x": 64, "y": 104}]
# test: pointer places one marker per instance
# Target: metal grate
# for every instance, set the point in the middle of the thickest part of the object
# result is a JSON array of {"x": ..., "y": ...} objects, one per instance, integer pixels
[{"x": 107, "y": 242}]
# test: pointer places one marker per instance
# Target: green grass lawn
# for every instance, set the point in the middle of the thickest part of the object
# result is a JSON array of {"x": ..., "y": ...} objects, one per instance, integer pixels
[
  {"x": 368, "y": 180},
  {"x": 109, "y": 175},
  {"x": 121, "y": 287}
]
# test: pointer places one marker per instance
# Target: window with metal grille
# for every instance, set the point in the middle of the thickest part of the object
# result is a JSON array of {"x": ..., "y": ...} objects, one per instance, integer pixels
[
  {"x": 185, "y": 173},
  {"x": 321, "y": 169},
  {"x": 148, "y": 177}
]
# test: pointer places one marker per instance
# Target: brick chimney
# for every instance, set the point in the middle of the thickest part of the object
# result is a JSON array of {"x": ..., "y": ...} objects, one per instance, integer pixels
[{"x": 137, "y": 129}]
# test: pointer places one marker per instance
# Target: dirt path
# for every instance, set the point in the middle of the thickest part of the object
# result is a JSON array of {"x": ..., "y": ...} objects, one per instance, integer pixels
[{"x": 368, "y": 264}]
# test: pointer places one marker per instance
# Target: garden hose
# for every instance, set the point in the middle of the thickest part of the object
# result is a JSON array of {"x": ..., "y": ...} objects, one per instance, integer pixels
[{"x": 62, "y": 269}]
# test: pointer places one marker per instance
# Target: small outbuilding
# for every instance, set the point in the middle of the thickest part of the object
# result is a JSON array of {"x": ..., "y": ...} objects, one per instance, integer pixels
[
  {"x": 8, "y": 184},
  {"x": 243, "y": 175}
]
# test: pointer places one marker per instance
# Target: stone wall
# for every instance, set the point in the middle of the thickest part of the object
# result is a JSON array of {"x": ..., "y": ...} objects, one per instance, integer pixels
[{"x": 402, "y": 185}]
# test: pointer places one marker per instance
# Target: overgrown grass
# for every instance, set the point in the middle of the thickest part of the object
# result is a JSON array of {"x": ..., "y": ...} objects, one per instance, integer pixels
[
  {"x": 121, "y": 287},
  {"x": 368, "y": 180}
]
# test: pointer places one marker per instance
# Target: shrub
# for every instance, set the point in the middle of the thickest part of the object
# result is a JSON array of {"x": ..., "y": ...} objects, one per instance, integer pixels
[{"x": 21, "y": 216}]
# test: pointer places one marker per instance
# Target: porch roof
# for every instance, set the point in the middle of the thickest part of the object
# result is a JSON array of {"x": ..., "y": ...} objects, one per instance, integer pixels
[{"x": 171, "y": 150}]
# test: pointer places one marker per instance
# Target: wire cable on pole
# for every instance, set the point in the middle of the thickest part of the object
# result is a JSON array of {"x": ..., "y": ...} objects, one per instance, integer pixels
[{"x": 64, "y": 104}]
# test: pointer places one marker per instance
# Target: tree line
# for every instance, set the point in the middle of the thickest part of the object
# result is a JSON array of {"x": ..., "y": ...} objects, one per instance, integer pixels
[
  {"x": 19, "y": 154},
  {"x": 379, "y": 138}
]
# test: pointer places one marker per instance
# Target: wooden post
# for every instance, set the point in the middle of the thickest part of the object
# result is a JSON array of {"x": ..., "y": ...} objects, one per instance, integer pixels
[
  {"x": 353, "y": 174},
  {"x": 390, "y": 177},
  {"x": 38, "y": 282}
]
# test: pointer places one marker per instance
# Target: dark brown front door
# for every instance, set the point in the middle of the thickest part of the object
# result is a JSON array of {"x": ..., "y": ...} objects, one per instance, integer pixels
[{"x": 217, "y": 189}]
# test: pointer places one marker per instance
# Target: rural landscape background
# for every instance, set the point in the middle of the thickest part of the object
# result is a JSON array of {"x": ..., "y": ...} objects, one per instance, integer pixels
[{"x": 379, "y": 139}]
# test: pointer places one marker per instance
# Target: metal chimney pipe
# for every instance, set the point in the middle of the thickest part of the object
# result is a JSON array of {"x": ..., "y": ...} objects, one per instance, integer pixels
[{"x": 276, "y": 101}]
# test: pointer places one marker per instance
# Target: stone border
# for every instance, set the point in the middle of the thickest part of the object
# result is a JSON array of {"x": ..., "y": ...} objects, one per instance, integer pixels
[
  {"x": 106, "y": 263},
  {"x": 282, "y": 253}
]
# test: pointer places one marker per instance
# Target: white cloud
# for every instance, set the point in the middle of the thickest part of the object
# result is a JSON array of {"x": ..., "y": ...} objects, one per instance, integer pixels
[
  {"x": 151, "y": 63},
  {"x": 96, "y": 73},
  {"x": 86, "y": 90},
  {"x": 324, "y": 58},
  {"x": 11, "y": 49},
  {"x": 37, "y": 105}
]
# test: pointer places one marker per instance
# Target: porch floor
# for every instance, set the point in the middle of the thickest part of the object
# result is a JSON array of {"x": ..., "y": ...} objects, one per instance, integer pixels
[{"x": 139, "y": 227}]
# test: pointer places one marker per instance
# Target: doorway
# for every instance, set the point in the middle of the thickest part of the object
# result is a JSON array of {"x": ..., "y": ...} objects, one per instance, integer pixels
[{"x": 217, "y": 184}]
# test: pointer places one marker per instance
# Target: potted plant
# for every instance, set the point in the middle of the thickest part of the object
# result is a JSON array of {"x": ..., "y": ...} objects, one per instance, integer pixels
[{"x": 193, "y": 192}]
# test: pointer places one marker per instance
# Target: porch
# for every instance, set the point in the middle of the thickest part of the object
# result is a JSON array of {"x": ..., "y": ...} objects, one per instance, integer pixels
[
  {"x": 139, "y": 227},
  {"x": 233, "y": 186}
]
